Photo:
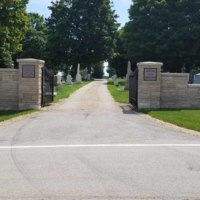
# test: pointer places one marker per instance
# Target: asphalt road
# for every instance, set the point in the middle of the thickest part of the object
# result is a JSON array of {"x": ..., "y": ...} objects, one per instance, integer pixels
[{"x": 89, "y": 147}]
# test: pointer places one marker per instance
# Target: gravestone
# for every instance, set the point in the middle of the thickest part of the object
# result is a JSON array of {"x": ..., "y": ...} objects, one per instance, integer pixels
[
  {"x": 85, "y": 74},
  {"x": 88, "y": 77},
  {"x": 183, "y": 69},
  {"x": 129, "y": 71},
  {"x": 113, "y": 77},
  {"x": 59, "y": 79},
  {"x": 69, "y": 80},
  {"x": 197, "y": 79},
  {"x": 78, "y": 75},
  {"x": 58, "y": 82},
  {"x": 115, "y": 81}
]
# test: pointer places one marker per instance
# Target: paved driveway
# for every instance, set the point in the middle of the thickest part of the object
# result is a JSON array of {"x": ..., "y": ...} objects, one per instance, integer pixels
[{"x": 89, "y": 147}]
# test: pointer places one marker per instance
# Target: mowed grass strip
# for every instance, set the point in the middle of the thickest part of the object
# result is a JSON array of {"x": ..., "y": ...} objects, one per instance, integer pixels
[
  {"x": 67, "y": 90},
  {"x": 6, "y": 115},
  {"x": 184, "y": 117},
  {"x": 118, "y": 92}
]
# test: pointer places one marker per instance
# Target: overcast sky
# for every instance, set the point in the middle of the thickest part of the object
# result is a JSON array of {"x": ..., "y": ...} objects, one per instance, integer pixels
[{"x": 121, "y": 7}]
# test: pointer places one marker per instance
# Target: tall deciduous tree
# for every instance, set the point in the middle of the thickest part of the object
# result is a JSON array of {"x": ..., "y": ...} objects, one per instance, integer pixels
[
  {"x": 120, "y": 59},
  {"x": 13, "y": 26},
  {"x": 34, "y": 43},
  {"x": 98, "y": 70},
  {"x": 81, "y": 31},
  {"x": 164, "y": 30}
]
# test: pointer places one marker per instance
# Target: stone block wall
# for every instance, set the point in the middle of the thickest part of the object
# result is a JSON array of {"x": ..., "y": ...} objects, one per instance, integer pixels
[
  {"x": 168, "y": 90},
  {"x": 21, "y": 88},
  {"x": 194, "y": 95},
  {"x": 177, "y": 93},
  {"x": 174, "y": 90},
  {"x": 8, "y": 89}
]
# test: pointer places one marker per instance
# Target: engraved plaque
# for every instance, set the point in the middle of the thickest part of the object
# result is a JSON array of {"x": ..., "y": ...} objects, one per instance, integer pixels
[
  {"x": 150, "y": 74},
  {"x": 28, "y": 71}
]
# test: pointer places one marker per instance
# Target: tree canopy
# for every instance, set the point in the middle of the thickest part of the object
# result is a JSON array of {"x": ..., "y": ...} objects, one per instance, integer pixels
[
  {"x": 98, "y": 70},
  {"x": 118, "y": 63},
  {"x": 81, "y": 31},
  {"x": 34, "y": 43},
  {"x": 164, "y": 30},
  {"x": 13, "y": 26}
]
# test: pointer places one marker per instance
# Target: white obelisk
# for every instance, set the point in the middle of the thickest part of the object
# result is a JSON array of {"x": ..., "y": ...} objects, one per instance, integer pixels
[
  {"x": 78, "y": 75},
  {"x": 128, "y": 75}
]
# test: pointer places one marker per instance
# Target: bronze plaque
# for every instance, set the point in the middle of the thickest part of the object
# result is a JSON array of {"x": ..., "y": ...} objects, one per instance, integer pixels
[
  {"x": 28, "y": 71},
  {"x": 150, "y": 74}
]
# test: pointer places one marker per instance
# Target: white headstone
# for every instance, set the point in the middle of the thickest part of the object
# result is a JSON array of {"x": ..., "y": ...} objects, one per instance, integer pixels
[
  {"x": 69, "y": 80},
  {"x": 59, "y": 79},
  {"x": 78, "y": 75},
  {"x": 88, "y": 77},
  {"x": 115, "y": 81},
  {"x": 197, "y": 79},
  {"x": 85, "y": 72},
  {"x": 113, "y": 78},
  {"x": 127, "y": 76}
]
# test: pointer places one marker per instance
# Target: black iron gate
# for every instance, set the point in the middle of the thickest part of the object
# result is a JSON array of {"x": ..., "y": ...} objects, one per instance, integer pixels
[
  {"x": 47, "y": 86},
  {"x": 133, "y": 88}
]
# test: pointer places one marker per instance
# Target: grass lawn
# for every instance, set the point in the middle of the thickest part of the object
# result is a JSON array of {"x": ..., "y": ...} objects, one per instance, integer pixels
[
  {"x": 184, "y": 117},
  {"x": 67, "y": 90},
  {"x": 5, "y": 115},
  {"x": 118, "y": 92}
]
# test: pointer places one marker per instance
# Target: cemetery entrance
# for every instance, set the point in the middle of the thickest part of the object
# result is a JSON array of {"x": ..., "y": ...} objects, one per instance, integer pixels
[
  {"x": 133, "y": 88},
  {"x": 47, "y": 86}
]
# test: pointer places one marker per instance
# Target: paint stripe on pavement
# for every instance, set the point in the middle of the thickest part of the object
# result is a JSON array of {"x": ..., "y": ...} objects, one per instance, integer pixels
[{"x": 97, "y": 145}]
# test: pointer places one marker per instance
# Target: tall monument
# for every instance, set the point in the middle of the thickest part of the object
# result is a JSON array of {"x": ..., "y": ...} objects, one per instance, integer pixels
[
  {"x": 78, "y": 75},
  {"x": 128, "y": 75},
  {"x": 69, "y": 77}
]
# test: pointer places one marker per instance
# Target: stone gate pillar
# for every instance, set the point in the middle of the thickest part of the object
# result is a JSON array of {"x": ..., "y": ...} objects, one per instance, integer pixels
[
  {"x": 149, "y": 83},
  {"x": 30, "y": 83}
]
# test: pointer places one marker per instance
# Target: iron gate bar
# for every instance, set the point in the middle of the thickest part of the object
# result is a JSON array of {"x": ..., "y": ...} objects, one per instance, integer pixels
[
  {"x": 133, "y": 88},
  {"x": 47, "y": 86}
]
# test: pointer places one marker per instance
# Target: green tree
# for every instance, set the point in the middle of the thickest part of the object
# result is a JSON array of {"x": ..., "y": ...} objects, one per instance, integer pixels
[
  {"x": 98, "y": 70},
  {"x": 13, "y": 26},
  {"x": 120, "y": 59},
  {"x": 81, "y": 31},
  {"x": 164, "y": 30},
  {"x": 34, "y": 43},
  {"x": 111, "y": 71}
]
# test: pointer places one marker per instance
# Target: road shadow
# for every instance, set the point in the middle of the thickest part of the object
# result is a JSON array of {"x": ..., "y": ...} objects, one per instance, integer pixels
[{"x": 128, "y": 109}]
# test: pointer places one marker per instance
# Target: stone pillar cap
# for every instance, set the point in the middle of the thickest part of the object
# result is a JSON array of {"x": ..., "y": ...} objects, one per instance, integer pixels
[
  {"x": 149, "y": 63},
  {"x": 30, "y": 60}
]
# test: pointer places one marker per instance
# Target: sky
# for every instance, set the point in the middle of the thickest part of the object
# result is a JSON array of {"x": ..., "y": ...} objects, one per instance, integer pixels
[{"x": 41, "y": 7}]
